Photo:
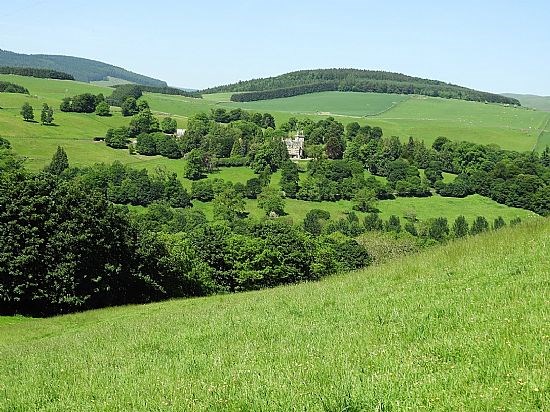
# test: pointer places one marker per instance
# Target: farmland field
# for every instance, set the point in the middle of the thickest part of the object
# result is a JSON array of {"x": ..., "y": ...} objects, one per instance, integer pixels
[
  {"x": 330, "y": 103},
  {"x": 424, "y": 208},
  {"x": 426, "y": 118},
  {"x": 460, "y": 327}
]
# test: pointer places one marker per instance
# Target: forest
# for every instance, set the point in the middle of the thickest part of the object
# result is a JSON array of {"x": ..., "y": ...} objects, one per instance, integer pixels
[
  {"x": 35, "y": 72},
  {"x": 84, "y": 70},
  {"x": 351, "y": 80}
]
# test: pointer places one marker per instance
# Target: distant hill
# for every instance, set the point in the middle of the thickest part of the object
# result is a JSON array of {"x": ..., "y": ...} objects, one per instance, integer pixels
[
  {"x": 84, "y": 70},
  {"x": 531, "y": 100},
  {"x": 351, "y": 80}
]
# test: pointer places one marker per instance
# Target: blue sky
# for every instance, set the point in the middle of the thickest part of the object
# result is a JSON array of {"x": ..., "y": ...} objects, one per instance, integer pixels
[{"x": 497, "y": 46}]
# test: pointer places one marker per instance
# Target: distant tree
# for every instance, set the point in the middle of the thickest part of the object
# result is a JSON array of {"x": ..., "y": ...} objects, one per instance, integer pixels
[
  {"x": 253, "y": 188},
  {"x": 439, "y": 142},
  {"x": 515, "y": 221},
  {"x": 4, "y": 143},
  {"x": 46, "y": 116},
  {"x": 143, "y": 122},
  {"x": 268, "y": 121},
  {"x": 59, "y": 162},
  {"x": 146, "y": 144},
  {"x": 393, "y": 224},
  {"x": 103, "y": 109},
  {"x": 334, "y": 148},
  {"x": 411, "y": 228},
  {"x": 271, "y": 201},
  {"x": 365, "y": 200},
  {"x": 228, "y": 205},
  {"x": 352, "y": 129},
  {"x": 27, "y": 112},
  {"x": 373, "y": 222},
  {"x": 289, "y": 179},
  {"x": 129, "y": 107},
  {"x": 168, "y": 147},
  {"x": 438, "y": 228},
  {"x": 175, "y": 193},
  {"x": 434, "y": 172},
  {"x": 121, "y": 93},
  {"x": 545, "y": 157},
  {"x": 169, "y": 125},
  {"x": 196, "y": 164},
  {"x": 480, "y": 225},
  {"x": 499, "y": 223},
  {"x": 314, "y": 221},
  {"x": 117, "y": 138},
  {"x": 460, "y": 227},
  {"x": 143, "y": 105}
]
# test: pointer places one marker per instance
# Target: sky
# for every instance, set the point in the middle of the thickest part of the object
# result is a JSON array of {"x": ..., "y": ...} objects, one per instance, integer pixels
[{"x": 496, "y": 46}]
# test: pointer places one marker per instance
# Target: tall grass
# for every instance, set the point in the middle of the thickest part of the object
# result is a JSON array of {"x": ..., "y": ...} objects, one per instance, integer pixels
[{"x": 458, "y": 327}]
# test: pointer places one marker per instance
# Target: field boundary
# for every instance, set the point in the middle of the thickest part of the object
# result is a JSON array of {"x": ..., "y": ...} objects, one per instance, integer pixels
[
  {"x": 545, "y": 129},
  {"x": 393, "y": 106}
]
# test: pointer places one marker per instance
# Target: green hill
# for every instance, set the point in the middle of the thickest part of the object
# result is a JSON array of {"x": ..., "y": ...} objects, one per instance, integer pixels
[
  {"x": 350, "y": 80},
  {"x": 85, "y": 70},
  {"x": 530, "y": 100},
  {"x": 459, "y": 327}
]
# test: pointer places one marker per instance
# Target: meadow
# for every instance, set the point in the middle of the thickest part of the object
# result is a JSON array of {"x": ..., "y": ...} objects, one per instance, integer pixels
[
  {"x": 458, "y": 327},
  {"x": 335, "y": 103}
]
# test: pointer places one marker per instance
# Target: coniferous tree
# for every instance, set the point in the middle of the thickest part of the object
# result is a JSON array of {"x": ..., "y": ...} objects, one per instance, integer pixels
[
  {"x": 480, "y": 225},
  {"x": 393, "y": 224},
  {"x": 59, "y": 162},
  {"x": 499, "y": 223},
  {"x": 460, "y": 227}
]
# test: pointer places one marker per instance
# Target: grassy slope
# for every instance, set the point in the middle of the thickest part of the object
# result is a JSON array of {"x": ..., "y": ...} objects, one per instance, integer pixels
[
  {"x": 529, "y": 100},
  {"x": 336, "y": 103},
  {"x": 460, "y": 327},
  {"x": 427, "y": 118}
]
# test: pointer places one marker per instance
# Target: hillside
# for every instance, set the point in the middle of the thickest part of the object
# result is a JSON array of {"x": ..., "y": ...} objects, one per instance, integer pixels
[
  {"x": 530, "y": 100},
  {"x": 459, "y": 327},
  {"x": 85, "y": 70},
  {"x": 350, "y": 80},
  {"x": 418, "y": 116}
]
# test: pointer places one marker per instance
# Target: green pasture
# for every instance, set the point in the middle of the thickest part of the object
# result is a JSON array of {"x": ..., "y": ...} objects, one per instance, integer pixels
[
  {"x": 427, "y": 118},
  {"x": 329, "y": 103},
  {"x": 461, "y": 327},
  {"x": 423, "y": 208}
]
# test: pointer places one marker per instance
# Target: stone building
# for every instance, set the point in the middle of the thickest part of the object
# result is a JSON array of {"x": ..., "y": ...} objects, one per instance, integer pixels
[{"x": 295, "y": 146}]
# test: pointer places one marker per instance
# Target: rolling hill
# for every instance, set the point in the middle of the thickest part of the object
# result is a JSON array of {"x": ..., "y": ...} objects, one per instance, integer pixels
[
  {"x": 351, "y": 80},
  {"x": 458, "y": 327},
  {"x": 530, "y": 100},
  {"x": 85, "y": 70}
]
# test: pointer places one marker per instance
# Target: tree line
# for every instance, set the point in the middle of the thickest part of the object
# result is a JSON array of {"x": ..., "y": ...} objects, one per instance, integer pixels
[
  {"x": 166, "y": 90},
  {"x": 8, "y": 87},
  {"x": 35, "y": 72}
]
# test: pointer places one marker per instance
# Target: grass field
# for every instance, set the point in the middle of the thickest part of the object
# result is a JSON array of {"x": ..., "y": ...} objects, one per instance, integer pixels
[
  {"x": 426, "y": 118},
  {"x": 424, "y": 208},
  {"x": 458, "y": 327},
  {"x": 529, "y": 100},
  {"x": 330, "y": 103}
]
